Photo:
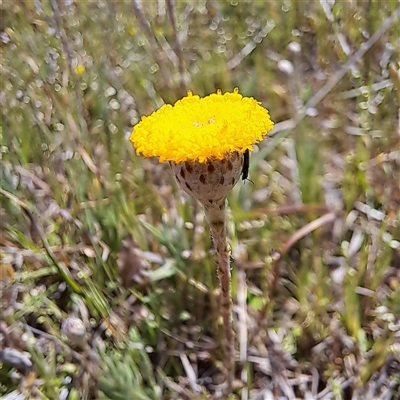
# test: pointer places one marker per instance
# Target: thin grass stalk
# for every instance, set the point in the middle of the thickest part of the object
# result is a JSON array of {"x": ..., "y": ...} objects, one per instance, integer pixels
[
  {"x": 146, "y": 28},
  {"x": 177, "y": 46}
]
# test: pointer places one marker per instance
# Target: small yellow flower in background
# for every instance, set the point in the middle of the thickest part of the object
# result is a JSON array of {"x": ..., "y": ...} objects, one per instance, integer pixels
[
  {"x": 198, "y": 129},
  {"x": 80, "y": 69}
]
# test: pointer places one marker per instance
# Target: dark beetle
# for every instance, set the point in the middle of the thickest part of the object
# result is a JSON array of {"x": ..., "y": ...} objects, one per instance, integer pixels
[{"x": 246, "y": 165}]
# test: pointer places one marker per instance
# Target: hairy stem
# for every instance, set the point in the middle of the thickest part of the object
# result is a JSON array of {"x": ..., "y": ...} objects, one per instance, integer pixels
[{"x": 216, "y": 218}]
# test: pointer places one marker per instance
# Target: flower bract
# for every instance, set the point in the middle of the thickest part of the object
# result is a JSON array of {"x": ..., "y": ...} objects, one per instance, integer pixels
[{"x": 197, "y": 129}]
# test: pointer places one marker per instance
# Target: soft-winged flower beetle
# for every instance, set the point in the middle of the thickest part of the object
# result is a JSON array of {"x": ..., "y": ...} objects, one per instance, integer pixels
[{"x": 246, "y": 165}]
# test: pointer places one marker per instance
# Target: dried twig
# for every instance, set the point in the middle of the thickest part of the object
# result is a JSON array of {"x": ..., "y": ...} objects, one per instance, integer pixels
[
  {"x": 287, "y": 126},
  {"x": 177, "y": 47},
  {"x": 67, "y": 52},
  {"x": 146, "y": 28},
  {"x": 190, "y": 373},
  {"x": 293, "y": 209}
]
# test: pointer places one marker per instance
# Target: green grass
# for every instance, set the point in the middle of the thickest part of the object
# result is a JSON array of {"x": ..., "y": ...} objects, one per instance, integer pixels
[{"x": 90, "y": 230}]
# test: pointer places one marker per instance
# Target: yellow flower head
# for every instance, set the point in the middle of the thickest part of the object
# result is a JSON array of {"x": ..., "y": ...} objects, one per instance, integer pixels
[
  {"x": 80, "y": 69},
  {"x": 197, "y": 129}
]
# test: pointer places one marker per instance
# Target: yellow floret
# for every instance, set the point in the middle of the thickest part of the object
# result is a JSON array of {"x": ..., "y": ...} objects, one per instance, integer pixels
[{"x": 195, "y": 129}]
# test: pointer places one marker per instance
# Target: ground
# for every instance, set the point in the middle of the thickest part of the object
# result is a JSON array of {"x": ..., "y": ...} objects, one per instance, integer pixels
[{"x": 108, "y": 277}]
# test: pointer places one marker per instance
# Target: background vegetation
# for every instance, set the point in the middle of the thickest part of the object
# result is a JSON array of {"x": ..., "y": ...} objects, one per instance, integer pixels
[{"x": 107, "y": 276}]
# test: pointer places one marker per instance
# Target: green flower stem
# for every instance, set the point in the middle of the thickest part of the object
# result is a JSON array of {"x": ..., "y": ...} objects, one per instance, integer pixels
[{"x": 216, "y": 218}]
